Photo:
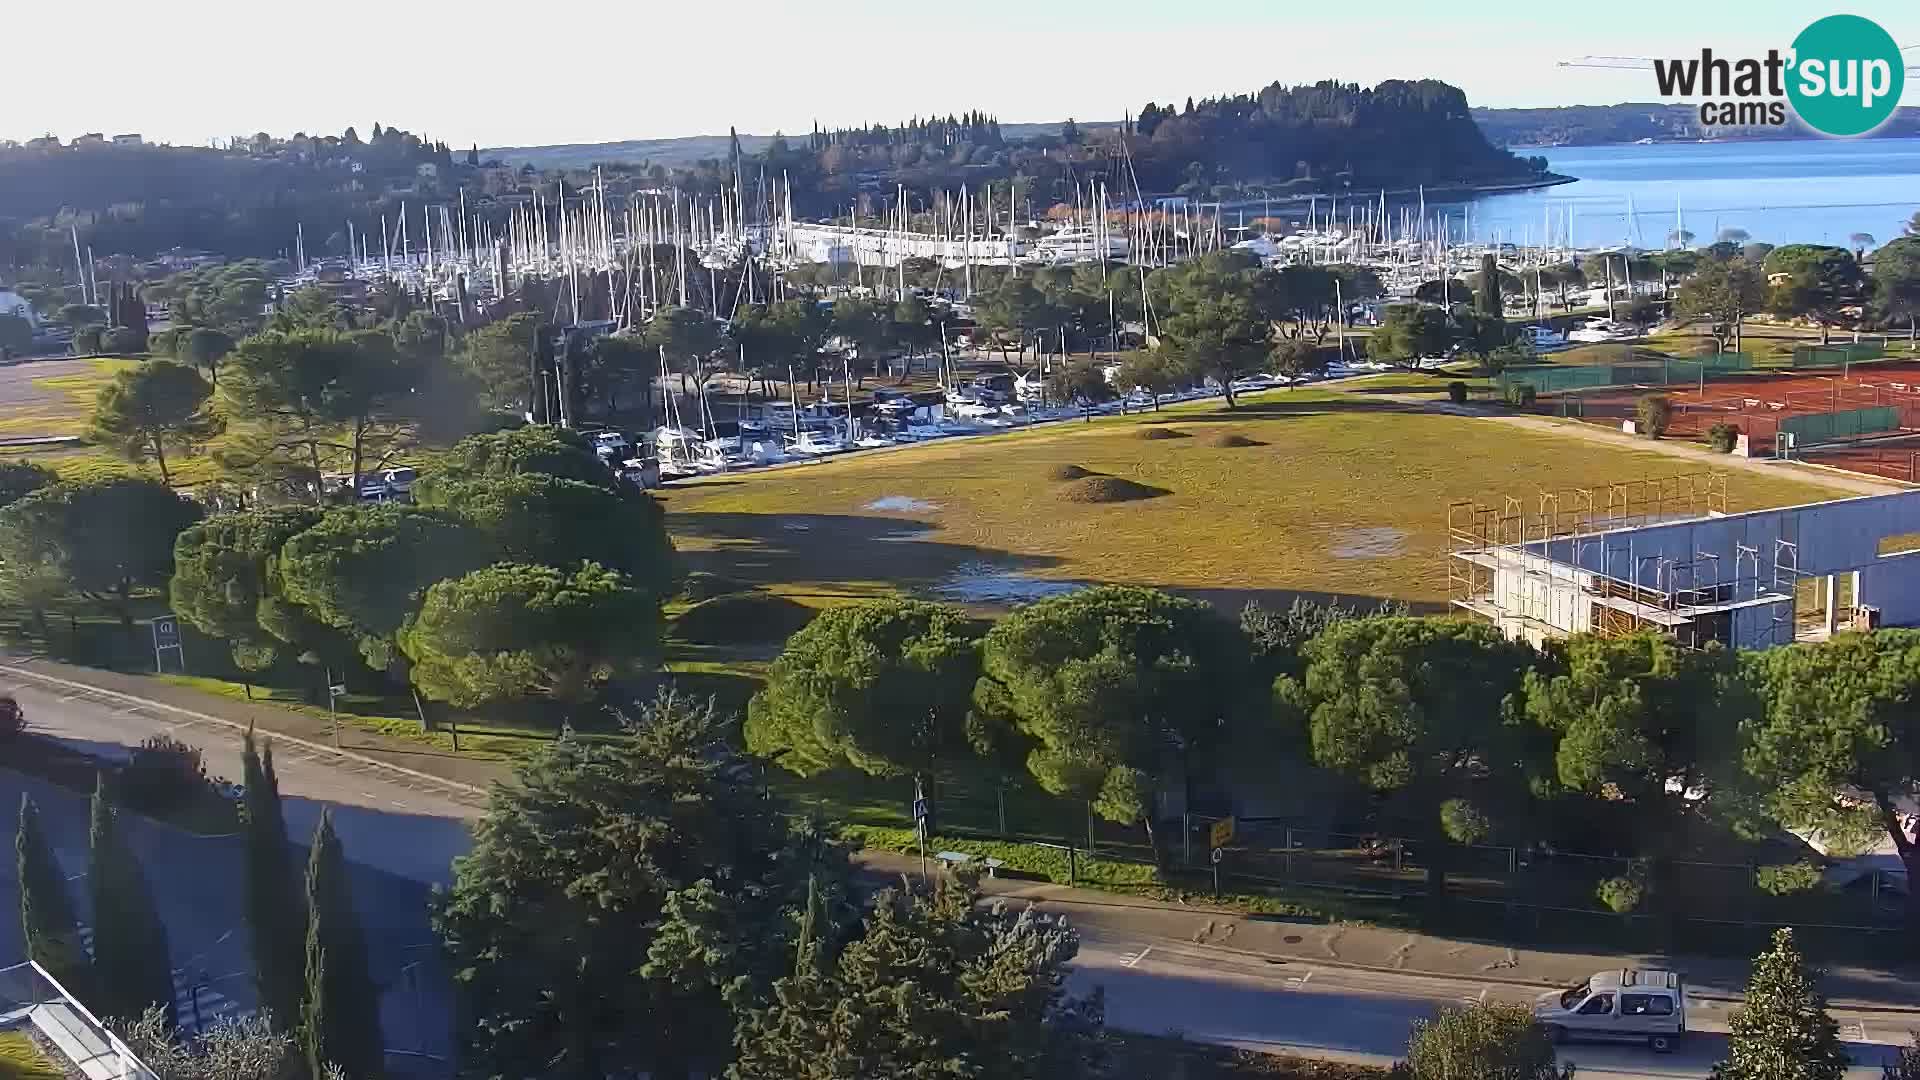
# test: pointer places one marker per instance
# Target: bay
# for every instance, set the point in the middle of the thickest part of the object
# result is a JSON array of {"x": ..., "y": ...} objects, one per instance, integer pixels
[{"x": 1804, "y": 191}]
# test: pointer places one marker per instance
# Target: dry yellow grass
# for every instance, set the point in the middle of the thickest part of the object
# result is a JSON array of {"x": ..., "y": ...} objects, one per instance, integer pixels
[{"x": 1347, "y": 495}]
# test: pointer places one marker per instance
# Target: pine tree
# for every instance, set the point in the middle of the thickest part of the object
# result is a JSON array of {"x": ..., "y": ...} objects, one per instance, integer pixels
[
  {"x": 340, "y": 1019},
  {"x": 276, "y": 913},
  {"x": 52, "y": 932},
  {"x": 1783, "y": 1031},
  {"x": 131, "y": 967}
]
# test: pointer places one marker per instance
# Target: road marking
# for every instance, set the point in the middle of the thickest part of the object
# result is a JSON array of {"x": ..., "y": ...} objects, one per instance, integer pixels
[
  {"x": 1139, "y": 956},
  {"x": 1482, "y": 999},
  {"x": 1300, "y": 982},
  {"x": 1857, "y": 1032}
]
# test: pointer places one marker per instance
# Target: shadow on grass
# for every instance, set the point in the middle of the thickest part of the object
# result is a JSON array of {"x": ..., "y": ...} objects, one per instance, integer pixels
[{"x": 774, "y": 549}]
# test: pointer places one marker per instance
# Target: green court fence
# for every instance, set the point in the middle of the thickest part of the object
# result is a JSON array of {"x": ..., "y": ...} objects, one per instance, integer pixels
[
  {"x": 1560, "y": 378},
  {"x": 1812, "y": 429},
  {"x": 1832, "y": 356}
]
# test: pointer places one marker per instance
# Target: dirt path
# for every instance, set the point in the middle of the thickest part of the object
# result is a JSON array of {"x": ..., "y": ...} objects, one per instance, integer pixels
[{"x": 1840, "y": 479}]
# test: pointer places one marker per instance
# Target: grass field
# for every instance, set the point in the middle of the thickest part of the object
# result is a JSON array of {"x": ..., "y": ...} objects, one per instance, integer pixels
[{"x": 1342, "y": 494}]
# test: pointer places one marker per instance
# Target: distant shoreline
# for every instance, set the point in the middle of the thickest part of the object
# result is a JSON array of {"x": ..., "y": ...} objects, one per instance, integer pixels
[{"x": 1444, "y": 193}]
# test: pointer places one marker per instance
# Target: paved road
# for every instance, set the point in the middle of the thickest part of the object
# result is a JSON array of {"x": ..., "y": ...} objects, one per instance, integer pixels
[
  {"x": 386, "y": 819},
  {"x": 401, "y": 835},
  {"x": 1210, "y": 995}
]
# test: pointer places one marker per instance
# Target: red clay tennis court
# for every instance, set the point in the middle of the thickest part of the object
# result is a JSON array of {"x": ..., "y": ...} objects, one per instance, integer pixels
[
  {"x": 1756, "y": 403},
  {"x": 1895, "y": 458}
]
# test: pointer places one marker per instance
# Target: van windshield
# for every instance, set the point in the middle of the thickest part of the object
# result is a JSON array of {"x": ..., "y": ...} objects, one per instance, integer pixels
[{"x": 1572, "y": 997}]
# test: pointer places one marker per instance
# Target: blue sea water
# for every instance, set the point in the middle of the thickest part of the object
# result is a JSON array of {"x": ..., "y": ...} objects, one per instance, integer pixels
[{"x": 1806, "y": 191}]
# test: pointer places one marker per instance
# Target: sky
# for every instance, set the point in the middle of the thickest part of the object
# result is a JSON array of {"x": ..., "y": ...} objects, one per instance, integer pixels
[{"x": 509, "y": 74}]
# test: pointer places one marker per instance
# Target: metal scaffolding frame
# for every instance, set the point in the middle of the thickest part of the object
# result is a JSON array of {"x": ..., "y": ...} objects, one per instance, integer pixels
[{"x": 1690, "y": 599}]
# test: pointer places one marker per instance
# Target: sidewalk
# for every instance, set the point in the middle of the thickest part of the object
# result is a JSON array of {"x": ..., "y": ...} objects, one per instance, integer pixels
[
  {"x": 471, "y": 775},
  {"x": 1342, "y": 945}
]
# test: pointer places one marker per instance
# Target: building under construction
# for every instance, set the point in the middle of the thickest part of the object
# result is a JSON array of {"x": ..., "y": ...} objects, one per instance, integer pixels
[{"x": 1664, "y": 554}]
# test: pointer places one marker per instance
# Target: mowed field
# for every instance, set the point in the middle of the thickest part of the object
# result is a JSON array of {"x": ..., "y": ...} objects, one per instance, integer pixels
[{"x": 1339, "y": 494}]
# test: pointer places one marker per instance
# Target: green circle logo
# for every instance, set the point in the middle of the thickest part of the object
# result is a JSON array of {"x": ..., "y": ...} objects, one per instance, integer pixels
[{"x": 1847, "y": 75}]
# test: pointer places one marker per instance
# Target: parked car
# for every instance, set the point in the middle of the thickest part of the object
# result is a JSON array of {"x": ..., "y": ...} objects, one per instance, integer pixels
[{"x": 1618, "y": 1006}]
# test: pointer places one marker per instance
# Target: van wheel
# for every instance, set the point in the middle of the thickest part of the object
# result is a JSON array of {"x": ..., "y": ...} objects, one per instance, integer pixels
[
  {"x": 1556, "y": 1034},
  {"x": 1661, "y": 1044}
]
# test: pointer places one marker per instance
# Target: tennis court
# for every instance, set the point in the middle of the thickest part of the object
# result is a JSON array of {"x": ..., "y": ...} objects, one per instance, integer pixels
[
  {"x": 1893, "y": 458},
  {"x": 1865, "y": 400}
]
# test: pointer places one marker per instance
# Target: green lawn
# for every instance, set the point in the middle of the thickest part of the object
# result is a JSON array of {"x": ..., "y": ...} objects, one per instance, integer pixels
[{"x": 1343, "y": 494}]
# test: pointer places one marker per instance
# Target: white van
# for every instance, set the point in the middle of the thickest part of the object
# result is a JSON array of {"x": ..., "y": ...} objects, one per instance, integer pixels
[{"x": 1618, "y": 1006}]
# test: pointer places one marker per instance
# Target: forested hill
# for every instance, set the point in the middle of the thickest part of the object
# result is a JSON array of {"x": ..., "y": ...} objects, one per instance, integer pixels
[
  {"x": 1595, "y": 125},
  {"x": 1325, "y": 136},
  {"x": 249, "y": 198},
  {"x": 244, "y": 200}
]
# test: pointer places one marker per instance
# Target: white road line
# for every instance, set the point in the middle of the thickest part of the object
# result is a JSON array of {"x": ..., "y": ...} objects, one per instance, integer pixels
[
  {"x": 1300, "y": 982},
  {"x": 1483, "y": 996},
  {"x": 1139, "y": 956}
]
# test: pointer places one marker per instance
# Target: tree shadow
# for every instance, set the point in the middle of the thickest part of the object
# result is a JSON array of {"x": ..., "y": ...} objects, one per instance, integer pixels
[{"x": 861, "y": 555}]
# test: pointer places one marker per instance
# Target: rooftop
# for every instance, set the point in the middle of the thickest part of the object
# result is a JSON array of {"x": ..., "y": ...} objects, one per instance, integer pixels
[{"x": 32, "y": 1003}]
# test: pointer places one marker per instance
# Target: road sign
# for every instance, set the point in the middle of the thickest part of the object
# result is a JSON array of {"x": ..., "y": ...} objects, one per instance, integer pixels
[
  {"x": 1221, "y": 833},
  {"x": 1218, "y": 855},
  {"x": 166, "y": 636}
]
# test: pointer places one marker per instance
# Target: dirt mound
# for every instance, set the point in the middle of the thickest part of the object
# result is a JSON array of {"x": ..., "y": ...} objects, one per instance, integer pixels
[
  {"x": 1158, "y": 433},
  {"x": 1108, "y": 489},
  {"x": 1231, "y": 439},
  {"x": 700, "y": 585},
  {"x": 740, "y": 618},
  {"x": 1068, "y": 472}
]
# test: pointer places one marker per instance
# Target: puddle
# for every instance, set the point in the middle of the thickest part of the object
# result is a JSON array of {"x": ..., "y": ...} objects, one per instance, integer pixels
[
  {"x": 908, "y": 536},
  {"x": 985, "y": 583},
  {"x": 1375, "y": 543},
  {"x": 901, "y": 503}
]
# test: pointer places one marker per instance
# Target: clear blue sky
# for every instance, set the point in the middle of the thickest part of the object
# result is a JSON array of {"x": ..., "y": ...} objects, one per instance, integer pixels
[{"x": 197, "y": 69}]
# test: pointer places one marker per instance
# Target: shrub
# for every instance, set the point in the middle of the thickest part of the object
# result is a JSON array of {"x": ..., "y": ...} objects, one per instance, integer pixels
[
  {"x": 1059, "y": 473},
  {"x": 1157, "y": 433},
  {"x": 163, "y": 773},
  {"x": 1231, "y": 441},
  {"x": 1520, "y": 395},
  {"x": 1481, "y": 1040},
  {"x": 1655, "y": 412},
  {"x": 740, "y": 617},
  {"x": 1464, "y": 822},
  {"x": 1722, "y": 437},
  {"x": 1457, "y": 392},
  {"x": 1783, "y": 879},
  {"x": 12, "y": 720},
  {"x": 1621, "y": 895},
  {"x": 123, "y": 341}
]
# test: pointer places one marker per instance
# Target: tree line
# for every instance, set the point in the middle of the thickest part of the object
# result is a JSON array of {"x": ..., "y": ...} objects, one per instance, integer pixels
[{"x": 1113, "y": 696}]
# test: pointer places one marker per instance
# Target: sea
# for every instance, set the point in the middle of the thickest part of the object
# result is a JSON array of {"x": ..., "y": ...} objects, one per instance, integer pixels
[{"x": 1789, "y": 191}]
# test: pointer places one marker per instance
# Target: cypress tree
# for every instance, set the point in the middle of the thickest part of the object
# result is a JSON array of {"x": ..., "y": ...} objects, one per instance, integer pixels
[
  {"x": 1487, "y": 300},
  {"x": 340, "y": 1019},
  {"x": 276, "y": 914},
  {"x": 131, "y": 965},
  {"x": 1783, "y": 1031},
  {"x": 52, "y": 931}
]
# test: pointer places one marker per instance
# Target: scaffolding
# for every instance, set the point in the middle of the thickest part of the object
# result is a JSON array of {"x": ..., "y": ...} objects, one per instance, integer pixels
[{"x": 1502, "y": 563}]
